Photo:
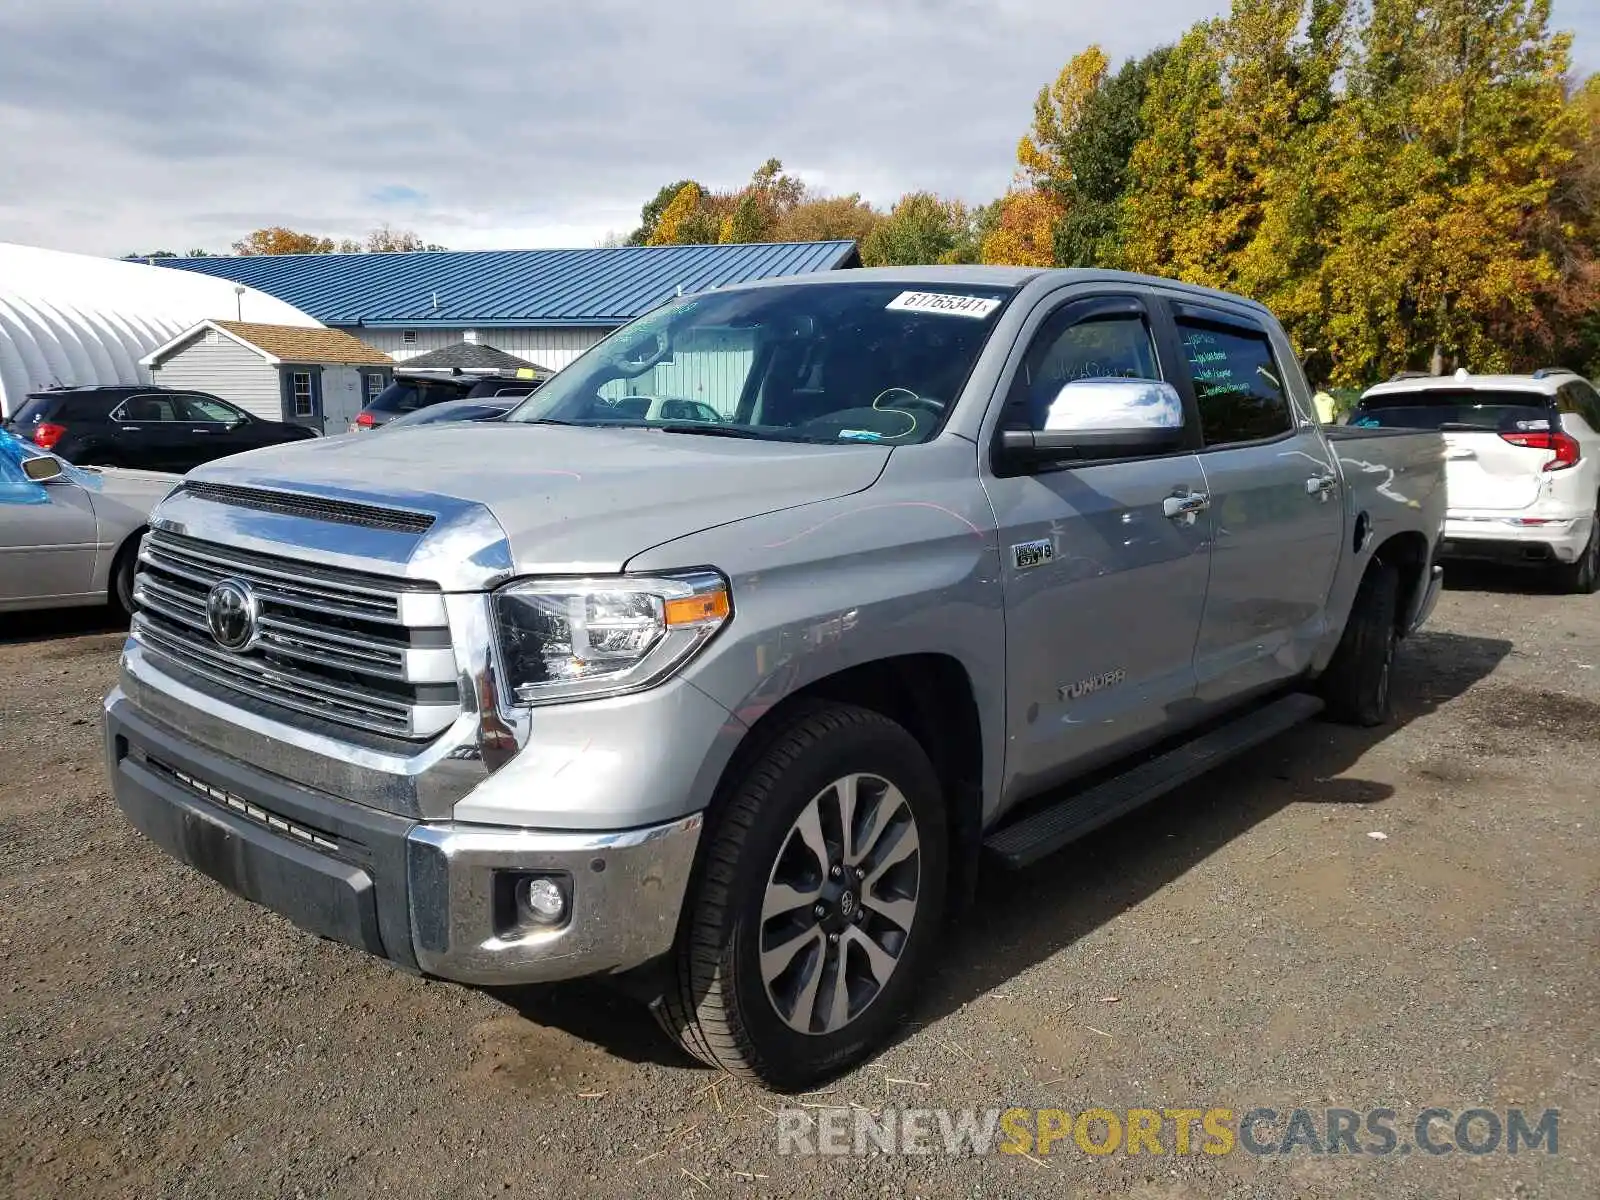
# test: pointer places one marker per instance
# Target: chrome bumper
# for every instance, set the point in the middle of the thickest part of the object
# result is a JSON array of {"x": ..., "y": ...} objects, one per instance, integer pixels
[
  {"x": 624, "y": 893},
  {"x": 434, "y": 896}
]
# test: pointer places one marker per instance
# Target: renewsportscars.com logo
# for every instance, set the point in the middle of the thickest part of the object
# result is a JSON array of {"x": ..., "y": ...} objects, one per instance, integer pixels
[{"x": 1036, "y": 1132}]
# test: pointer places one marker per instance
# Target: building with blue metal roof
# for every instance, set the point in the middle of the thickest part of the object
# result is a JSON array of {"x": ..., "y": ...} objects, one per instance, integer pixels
[{"x": 546, "y": 306}]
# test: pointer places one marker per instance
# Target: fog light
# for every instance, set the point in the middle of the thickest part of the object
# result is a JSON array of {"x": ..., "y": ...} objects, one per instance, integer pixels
[{"x": 542, "y": 899}]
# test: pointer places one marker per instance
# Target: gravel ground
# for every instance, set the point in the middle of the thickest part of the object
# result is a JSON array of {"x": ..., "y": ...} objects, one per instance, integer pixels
[{"x": 1242, "y": 944}]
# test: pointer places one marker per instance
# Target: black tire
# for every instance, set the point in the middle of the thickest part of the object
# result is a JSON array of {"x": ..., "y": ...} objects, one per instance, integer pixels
[
  {"x": 1581, "y": 577},
  {"x": 718, "y": 1004},
  {"x": 120, "y": 593},
  {"x": 1356, "y": 684}
]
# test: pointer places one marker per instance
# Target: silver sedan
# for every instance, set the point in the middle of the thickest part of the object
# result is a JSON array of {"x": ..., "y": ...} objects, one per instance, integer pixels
[{"x": 70, "y": 535}]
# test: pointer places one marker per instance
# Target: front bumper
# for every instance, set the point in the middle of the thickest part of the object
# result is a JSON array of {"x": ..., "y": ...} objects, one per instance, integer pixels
[
  {"x": 1515, "y": 537},
  {"x": 431, "y": 896}
]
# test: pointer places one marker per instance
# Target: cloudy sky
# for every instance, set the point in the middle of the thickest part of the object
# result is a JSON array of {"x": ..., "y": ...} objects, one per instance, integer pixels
[{"x": 169, "y": 124}]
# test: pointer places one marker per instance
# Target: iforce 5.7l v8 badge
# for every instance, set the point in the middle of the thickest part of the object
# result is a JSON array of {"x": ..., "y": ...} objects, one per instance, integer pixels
[{"x": 1032, "y": 554}]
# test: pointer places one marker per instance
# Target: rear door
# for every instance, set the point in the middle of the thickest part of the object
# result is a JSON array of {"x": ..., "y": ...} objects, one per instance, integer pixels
[
  {"x": 1277, "y": 513},
  {"x": 1494, "y": 451},
  {"x": 148, "y": 431}
]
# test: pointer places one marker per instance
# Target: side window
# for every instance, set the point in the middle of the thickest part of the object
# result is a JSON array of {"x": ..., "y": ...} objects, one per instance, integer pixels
[
  {"x": 203, "y": 408},
  {"x": 1578, "y": 397},
  {"x": 1236, "y": 382},
  {"x": 1073, "y": 345}
]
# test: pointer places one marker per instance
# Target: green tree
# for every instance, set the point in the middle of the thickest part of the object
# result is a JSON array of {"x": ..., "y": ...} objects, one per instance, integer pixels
[
  {"x": 1089, "y": 233},
  {"x": 921, "y": 229},
  {"x": 650, "y": 214},
  {"x": 1457, "y": 128}
]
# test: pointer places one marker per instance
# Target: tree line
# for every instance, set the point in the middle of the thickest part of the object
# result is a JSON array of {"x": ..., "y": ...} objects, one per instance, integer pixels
[
  {"x": 1408, "y": 184},
  {"x": 275, "y": 239}
]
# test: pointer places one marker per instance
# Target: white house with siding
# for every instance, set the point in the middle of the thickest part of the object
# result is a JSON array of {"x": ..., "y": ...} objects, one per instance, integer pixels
[{"x": 316, "y": 377}]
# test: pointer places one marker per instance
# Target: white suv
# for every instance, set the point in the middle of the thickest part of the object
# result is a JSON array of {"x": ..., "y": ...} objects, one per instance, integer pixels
[{"x": 1522, "y": 463}]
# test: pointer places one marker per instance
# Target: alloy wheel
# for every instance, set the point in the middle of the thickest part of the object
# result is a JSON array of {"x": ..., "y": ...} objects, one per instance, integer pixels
[{"x": 839, "y": 903}]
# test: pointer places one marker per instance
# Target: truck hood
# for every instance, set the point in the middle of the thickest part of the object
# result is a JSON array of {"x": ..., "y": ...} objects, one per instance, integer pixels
[{"x": 568, "y": 498}]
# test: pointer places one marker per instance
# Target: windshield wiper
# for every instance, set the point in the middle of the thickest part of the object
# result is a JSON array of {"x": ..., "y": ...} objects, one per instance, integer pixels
[{"x": 733, "y": 431}]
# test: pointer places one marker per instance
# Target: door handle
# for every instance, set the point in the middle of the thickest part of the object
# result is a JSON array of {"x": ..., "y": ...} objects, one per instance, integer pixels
[
  {"x": 1185, "y": 506},
  {"x": 199, "y": 431},
  {"x": 1321, "y": 485}
]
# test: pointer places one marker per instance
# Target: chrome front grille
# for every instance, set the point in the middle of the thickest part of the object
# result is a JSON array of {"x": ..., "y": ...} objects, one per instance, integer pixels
[{"x": 359, "y": 650}]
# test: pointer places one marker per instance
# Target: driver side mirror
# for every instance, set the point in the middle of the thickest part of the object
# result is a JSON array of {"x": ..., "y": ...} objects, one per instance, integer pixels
[
  {"x": 42, "y": 469},
  {"x": 1100, "y": 418}
]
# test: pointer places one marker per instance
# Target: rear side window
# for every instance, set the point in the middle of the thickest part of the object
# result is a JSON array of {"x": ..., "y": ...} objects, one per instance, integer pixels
[
  {"x": 1580, "y": 399},
  {"x": 499, "y": 387},
  {"x": 1237, "y": 383},
  {"x": 412, "y": 394},
  {"x": 35, "y": 409},
  {"x": 1458, "y": 409}
]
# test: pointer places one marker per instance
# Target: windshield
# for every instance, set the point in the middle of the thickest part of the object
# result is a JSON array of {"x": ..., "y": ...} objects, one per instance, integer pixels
[
  {"x": 1455, "y": 408},
  {"x": 820, "y": 362}
]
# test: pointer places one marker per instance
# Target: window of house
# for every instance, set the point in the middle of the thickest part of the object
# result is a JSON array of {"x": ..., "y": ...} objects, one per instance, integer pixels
[
  {"x": 304, "y": 402},
  {"x": 375, "y": 387},
  {"x": 1236, "y": 382},
  {"x": 409, "y": 337},
  {"x": 213, "y": 338}
]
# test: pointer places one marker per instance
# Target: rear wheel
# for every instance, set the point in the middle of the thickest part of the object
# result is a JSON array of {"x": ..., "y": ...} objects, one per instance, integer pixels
[
  {"x": 1356, "y": 683},
  {"x": 1582, "y": 575},
  {"x": 820, "y": 893}
]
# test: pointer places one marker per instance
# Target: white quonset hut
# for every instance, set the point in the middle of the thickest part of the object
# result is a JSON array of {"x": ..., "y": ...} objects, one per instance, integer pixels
[{"x": 72, "y": 319}]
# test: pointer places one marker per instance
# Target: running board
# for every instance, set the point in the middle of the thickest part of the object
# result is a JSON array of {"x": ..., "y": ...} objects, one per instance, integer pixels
[{"x": 1048, "y": 830}]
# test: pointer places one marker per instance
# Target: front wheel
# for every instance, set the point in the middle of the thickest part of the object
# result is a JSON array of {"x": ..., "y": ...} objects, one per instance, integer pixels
[
  {"x": 820, "y": 894},
  {"x": 122, "y": 569}
]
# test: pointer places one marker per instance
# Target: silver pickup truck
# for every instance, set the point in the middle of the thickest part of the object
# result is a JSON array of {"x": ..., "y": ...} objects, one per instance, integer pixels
[{"x": 970, "y": 562}]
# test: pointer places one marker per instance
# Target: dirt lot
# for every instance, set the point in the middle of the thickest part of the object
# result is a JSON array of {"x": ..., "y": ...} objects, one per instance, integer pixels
[{"x": 1244, "y": 944}]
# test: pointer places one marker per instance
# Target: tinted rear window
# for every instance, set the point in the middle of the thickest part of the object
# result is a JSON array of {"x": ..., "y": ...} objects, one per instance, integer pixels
[
  {"x": 37, "y": 408},
  {"x": 501, "y": 387},
  {"x": 408, "y": 395},
  {"x": 1458, "y": 408}
]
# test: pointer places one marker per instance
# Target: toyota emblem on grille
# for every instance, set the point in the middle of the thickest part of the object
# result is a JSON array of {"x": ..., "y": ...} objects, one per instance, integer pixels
[{"x": 231, "y": 612}]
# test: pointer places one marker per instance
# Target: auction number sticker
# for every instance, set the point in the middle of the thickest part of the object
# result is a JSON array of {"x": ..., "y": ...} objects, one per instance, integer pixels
[{"x": 977, "y": 307}]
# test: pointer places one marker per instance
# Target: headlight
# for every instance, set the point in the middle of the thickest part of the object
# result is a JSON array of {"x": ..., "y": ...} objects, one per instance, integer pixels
[{"x": 565, "y": 639}]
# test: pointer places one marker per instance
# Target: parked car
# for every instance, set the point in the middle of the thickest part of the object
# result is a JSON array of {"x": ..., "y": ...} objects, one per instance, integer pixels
[
  {"x": 488, "y": 409},
  {"x": 410, "y": 393},
  {"x": 980, "y": 559},
  {"x": 152, "y": 428},
  {"x": 659, "y": 408},
  {"x": 1523, "y": 462},
  {"x": 69, "y": 535}
]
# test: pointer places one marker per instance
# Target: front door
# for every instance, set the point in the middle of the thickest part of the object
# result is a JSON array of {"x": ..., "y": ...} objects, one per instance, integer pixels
[
  {"x": 47, "y": 536},
  {"x": 1276, "y": 510},
  {"x": 150, "y": 432},
  {"x": 1103, "y": 589}
]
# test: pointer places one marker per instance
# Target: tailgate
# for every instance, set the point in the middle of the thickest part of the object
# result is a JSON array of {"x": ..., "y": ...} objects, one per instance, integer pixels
[{"x": 1483, "y": 470}]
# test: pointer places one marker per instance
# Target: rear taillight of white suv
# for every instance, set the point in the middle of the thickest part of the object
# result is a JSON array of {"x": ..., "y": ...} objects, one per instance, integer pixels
[{"x": 1564, "y": 445}]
